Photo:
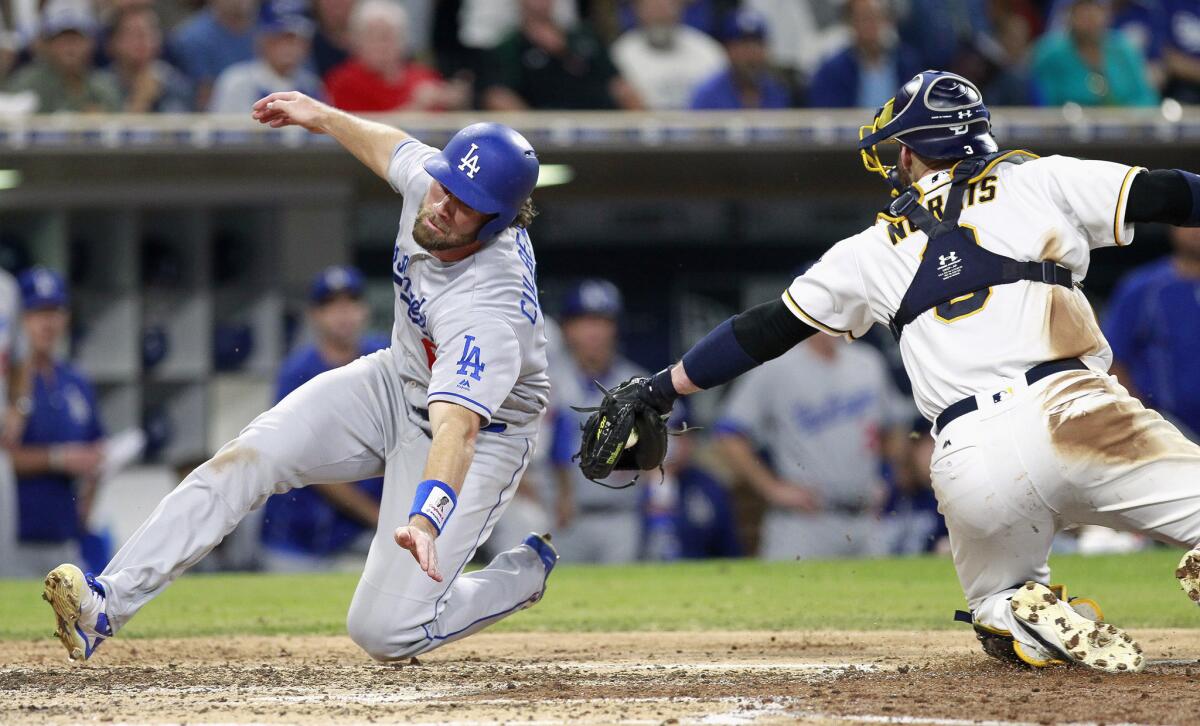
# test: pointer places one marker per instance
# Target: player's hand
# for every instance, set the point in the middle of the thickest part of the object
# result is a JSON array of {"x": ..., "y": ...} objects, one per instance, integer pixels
[
  {"x": 82, "y": 459},
  {"x": 787, "y": 495},
  {"x": 290, "y": 108},
  {"x": 418, "y": 537}
]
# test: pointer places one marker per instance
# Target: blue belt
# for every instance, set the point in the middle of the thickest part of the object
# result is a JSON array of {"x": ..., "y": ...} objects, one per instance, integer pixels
[
  {"x": 1033, "y": 375},
  {"x": 492, "y": 428}
]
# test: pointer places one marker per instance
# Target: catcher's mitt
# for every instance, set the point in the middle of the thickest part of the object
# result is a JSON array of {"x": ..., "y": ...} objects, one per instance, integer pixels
[{"x": 624, "y": 433}]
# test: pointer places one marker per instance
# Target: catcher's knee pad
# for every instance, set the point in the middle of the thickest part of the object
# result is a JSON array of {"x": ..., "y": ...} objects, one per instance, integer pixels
[{"x": 1001, "y": 645}]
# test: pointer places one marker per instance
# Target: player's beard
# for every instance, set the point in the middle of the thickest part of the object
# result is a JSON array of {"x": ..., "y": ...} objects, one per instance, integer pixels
[
  {"x": 905, "y": 174},
  {"x": 434, "y": 242}
]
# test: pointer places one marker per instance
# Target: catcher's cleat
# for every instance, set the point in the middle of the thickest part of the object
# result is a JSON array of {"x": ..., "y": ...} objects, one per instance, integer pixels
[
  {"x": 78, "y": 603},
  {"x": 1188, "y": 574},
  {"x": 1059, "y": 629},
  {"x": 1001, "y": 645}
]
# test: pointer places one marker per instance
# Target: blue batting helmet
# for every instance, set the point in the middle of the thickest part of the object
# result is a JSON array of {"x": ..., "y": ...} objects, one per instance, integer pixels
[
  {"x": 938, "y": 115},
  {"x": 491, "y": 168}
]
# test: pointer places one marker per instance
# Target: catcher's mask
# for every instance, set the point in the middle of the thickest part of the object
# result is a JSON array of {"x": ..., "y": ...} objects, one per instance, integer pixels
[{"x": 938, "y": 115}]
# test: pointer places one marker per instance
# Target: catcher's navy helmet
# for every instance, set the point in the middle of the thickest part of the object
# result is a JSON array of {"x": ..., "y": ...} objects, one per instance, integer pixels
[
  {"x": 491, "y": 168},
  {"x": 937, "y": 114}
]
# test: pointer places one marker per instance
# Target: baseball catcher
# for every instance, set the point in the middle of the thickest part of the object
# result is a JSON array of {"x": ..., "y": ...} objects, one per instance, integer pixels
[{"x": 975, "y": 268}]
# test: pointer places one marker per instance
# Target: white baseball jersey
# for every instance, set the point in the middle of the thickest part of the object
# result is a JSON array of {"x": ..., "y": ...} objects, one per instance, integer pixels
[
  {"x": 1057, "y": 208},
  {"x": 468, "y": 332}
]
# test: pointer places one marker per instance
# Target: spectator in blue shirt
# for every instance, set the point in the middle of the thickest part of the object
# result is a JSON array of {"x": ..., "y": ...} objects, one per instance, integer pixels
[
  {"x": 212, "y": 40},
  {"x": 868, "y": 72},
  {"x": 1153, "y": 326},
  {"x": 1182, "y": 49},
  {"x": 60, "y": 454},
  {"x": 307, "y": 529},
  {"x": 748, "y": 81}
]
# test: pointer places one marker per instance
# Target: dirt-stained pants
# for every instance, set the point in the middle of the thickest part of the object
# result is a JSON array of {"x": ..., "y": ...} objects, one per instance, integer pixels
[{"x": 1073, "y": 448}]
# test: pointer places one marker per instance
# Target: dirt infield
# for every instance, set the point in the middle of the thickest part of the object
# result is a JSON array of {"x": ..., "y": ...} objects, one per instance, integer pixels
[{"x": 646, "y": 678}]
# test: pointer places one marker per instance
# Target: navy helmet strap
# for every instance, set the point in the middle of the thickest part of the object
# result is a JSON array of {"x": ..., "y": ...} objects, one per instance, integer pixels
[{"x": 954, "y": 265}]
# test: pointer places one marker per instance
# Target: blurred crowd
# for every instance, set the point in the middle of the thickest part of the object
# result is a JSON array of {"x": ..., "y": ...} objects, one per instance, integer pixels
[
  {"x": 817, "y": 454},
  {"x": 435, "y": 55}
]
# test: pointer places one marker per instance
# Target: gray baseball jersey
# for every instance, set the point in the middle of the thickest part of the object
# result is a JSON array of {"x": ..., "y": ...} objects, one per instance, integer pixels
[
  {"x": 468, "y": 332},
  {"x": 819, "y": 419}
]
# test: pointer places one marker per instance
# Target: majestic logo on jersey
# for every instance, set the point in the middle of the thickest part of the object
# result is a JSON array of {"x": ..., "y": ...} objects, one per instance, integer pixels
[
  {"x": 949, "y": 265},
  {"x": 464, "y": 384},
  {"x": 470, "y": 162}
]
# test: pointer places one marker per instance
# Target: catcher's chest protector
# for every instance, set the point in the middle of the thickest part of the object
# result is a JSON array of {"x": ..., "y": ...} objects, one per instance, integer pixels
[{"x": 955, "y": 270}]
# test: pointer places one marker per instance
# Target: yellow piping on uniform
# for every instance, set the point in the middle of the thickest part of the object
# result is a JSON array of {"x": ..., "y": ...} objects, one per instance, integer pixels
[
  {"x": 1122, "y": 197},
  {"x": 799, "y": 312}
]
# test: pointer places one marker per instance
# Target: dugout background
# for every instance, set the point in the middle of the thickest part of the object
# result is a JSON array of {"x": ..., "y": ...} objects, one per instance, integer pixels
[{"x": 190, "y": 241}]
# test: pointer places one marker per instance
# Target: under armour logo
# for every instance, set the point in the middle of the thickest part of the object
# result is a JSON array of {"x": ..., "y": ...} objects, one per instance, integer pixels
[
  {"x": 950, "y": 259},
  {"x": 470, "y": 162},
  {"x": 965, "y": 114}
]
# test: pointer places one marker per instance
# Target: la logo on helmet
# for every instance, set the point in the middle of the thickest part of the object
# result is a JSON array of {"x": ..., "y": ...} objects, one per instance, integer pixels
[{"x": 470, "y": 162}]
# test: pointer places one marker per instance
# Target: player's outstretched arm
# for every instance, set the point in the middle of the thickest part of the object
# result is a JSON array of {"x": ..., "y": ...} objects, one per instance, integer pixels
[
  {"x": 371, "y": 142},
  {"x": 745, "y": 341},
  {"x": 1167, "y": 196},
  {"x": 454, "y": 430}
]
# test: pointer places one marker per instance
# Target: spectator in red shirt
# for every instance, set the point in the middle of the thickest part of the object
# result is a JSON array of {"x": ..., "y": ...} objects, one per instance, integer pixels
[{"x": 379, "y": 76}]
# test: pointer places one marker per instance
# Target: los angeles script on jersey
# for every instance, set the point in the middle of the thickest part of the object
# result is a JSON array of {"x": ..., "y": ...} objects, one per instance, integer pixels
[{"x": 416, "y": 306}]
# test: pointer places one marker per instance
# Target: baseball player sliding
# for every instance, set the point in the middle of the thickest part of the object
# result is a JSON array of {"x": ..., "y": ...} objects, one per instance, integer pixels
[
  {"x": 975, "y": 268},
  {"x": 448, "y": 414}
]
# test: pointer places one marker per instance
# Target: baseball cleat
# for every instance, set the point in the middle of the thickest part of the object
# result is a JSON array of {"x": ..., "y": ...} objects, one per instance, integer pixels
[
  {"x": 1059, "y": 629},
  {"x": 1188, "y": 573},
  {"x": 78, "y": 603},
  {"x": 540, "y": 543}
]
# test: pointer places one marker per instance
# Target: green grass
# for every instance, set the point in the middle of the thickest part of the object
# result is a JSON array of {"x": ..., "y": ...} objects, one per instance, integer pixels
[{"x": 1136, "y": 590}]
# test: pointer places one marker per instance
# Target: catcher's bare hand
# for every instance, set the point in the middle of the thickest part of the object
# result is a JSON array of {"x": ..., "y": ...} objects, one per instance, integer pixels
[
  {"x": 419, "y": 537},
  {"x": 290, "y": 108}
]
